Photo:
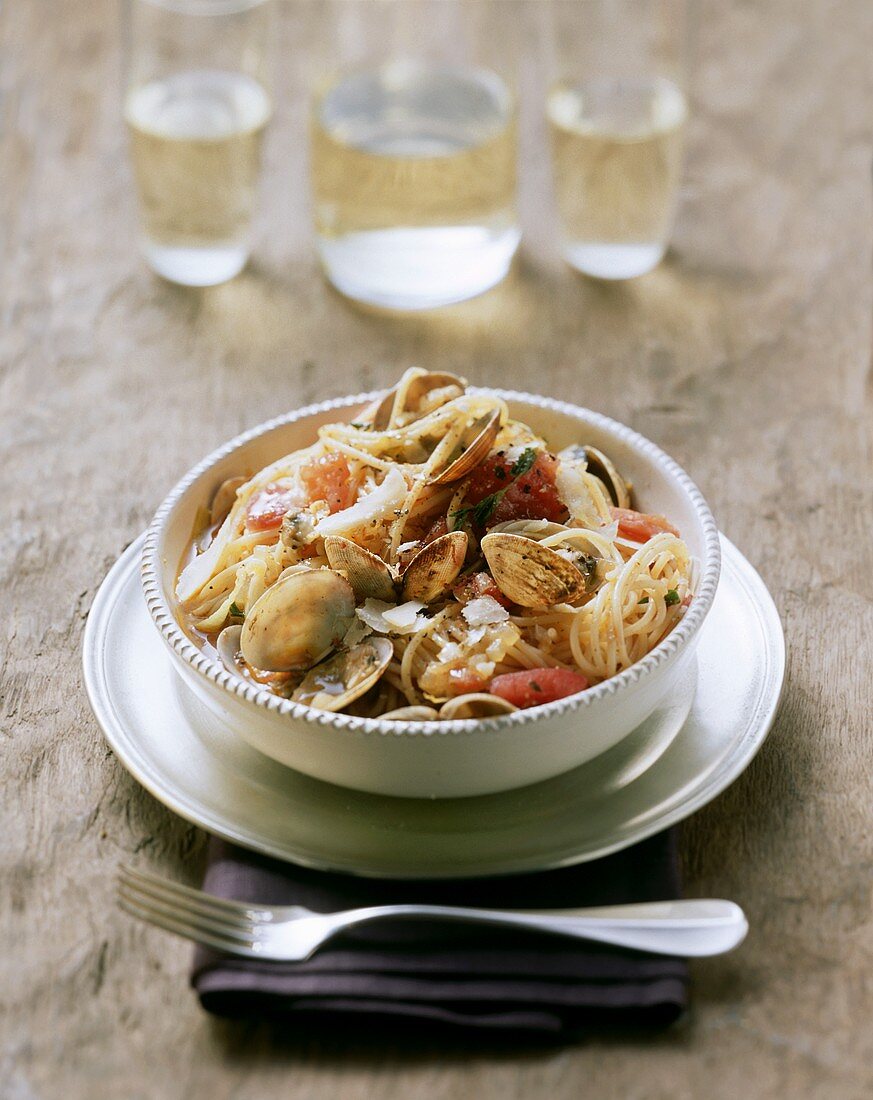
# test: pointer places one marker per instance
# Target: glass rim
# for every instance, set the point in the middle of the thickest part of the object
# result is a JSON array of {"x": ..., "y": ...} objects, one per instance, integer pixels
[{"x": 202, "y": 7}]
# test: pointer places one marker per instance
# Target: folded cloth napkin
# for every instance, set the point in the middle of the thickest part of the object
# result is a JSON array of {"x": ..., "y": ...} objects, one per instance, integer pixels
[{"x": 458, "y": 975}]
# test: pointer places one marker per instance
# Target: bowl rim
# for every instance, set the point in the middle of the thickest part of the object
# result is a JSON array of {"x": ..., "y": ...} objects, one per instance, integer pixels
[{"x": 164, "y": 617}]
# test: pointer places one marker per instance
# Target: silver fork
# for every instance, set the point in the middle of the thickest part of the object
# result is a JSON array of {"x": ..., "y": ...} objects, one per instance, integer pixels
[{"x": 690, "y": 927}]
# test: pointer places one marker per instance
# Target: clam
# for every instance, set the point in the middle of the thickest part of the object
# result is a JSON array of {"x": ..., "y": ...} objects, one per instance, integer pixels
[
  {"x": 381, "y": 415},
  {"x": 586, "y": 555},
  {"x": 224, "y": 498},
  {"x": 227, "y": 644},
  {"x": 601, "y": 466},
  {"x": 536, "y": 529},
  {"x": 369, "y": 576},
  {"x": 531, "y": 574},
  {"x": 435, "y": 568},
  {"x": 418, "y": 388},
  {"x": 412, "y": 714},
  {"x": 409, "y": 392},
  {"x": 477, "y": 444},
  {"x": 476, "y": 705},
  {"x": 345, "y": 676},
  {"x": 298, "y": 621}
]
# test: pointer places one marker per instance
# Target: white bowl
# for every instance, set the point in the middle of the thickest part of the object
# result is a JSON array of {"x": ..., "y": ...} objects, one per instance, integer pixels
[{"x": 446, "y": 759}]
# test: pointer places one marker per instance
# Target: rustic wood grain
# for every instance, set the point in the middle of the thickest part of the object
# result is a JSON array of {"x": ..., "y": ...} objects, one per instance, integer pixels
[{"x": 746, "y": 356}]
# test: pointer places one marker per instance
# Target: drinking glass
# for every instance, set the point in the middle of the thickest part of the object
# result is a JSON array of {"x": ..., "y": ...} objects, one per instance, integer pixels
[
  {"x": 414, "y": 152},
  {"x": 617, "y": 114},
  {"x": 197, "y": 101}
]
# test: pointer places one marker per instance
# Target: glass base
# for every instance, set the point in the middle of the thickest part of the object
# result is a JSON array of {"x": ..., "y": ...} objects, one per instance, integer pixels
[
  {"x": 196, "y": 266},
  {"x": 410, "y": 269},
  {"x": 614, "y": 261}
]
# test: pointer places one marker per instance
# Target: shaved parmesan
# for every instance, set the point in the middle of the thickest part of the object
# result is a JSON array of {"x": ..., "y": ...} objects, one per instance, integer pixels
[
  {"x": 484, "y": 610},
  {"x": 373, "y": 507},
  {"x": 404, "y": 617},
  {"x": 388, "y": 618},
  {"x": 450, "y": 651},
  {"x": 573, "y": 491},
  {"x": 608, "y": 531},
  {"x": 356, "y": 633},
  {"x": 197, "y": 572}
]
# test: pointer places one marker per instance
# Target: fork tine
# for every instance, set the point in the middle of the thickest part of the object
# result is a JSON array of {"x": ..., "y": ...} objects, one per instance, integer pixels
[
  {"x": 174, "y": 911},
  {"x": 184, "y": 929},
  {"x": 191, "y": 901},
  {"x": 248, "y": 912}
]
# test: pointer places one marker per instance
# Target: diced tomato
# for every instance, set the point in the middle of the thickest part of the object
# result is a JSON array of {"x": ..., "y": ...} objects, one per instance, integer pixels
[
  {"x": 640, "y": 526},
  {"x": 532, "y": 495},
  {"x": 476, "y": 585},
  {"x": 531, "y": 687},
  {"x": 489, "y": 476},
  {"x": 463, "y": 681},
  {"x": 267, "y": 509},
  {"x": 328, "y": 478}
]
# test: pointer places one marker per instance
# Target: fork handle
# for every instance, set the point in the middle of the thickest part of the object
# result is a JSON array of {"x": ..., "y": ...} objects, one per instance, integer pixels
[{"x": 686, "y": 927}]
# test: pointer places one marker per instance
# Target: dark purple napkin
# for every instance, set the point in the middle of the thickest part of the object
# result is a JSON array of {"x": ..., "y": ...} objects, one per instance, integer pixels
[{"x": 467, "y": 977}]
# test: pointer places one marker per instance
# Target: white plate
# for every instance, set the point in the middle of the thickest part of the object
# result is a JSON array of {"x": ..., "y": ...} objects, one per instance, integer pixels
[{"x": 673, "y": 764}]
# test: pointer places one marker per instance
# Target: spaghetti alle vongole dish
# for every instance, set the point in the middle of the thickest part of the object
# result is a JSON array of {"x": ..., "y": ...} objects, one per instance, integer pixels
[{"x": 432, "y": 560}]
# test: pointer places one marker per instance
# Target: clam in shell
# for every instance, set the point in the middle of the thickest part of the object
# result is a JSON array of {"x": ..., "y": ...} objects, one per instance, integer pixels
[
  {"x": 223, "y": 501},
  {"x": 531, "y": 574},
  {"x": 412, "y": 714},
  {"x": 297, "y": 621},
  {"x": 227, "y": 644},
  {"x": 410, "y": 392},
  {"x": 601, "y": 466},
  {"x": 477, "y": 443},
  {"x": 435, "y": 568},
  {"x": 369, "y": 576},
  {"x": 345, "y": 676},
  {"x": 476, "y": 705}
]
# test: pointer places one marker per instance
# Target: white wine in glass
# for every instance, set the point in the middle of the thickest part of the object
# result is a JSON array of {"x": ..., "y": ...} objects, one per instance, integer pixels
[
  {"x": 413, "y": 176},
  {"x": 617, "y": 159},
  {"x": 196, "y": 103},
  {"x": 196, "y": 150}
]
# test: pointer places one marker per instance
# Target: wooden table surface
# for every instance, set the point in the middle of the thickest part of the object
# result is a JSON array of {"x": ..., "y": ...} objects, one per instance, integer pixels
[{"x": 746, "y": 356}]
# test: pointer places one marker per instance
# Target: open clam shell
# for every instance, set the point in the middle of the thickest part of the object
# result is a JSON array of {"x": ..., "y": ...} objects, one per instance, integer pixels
[
  {"x": 412, "y": 714},
  {"x": 297, "y": 621},
  {"x": 224, "y": 498},
  {"x": 531, "y": 574},
  {"x": 369, "y": 576},
  {"x": 601, "y": 466},
  {"x": 435, "y": 568},
  {"x": 228, "y": 646},
  {"x": 410, "y": 392},
  {"x": 478, "y": 442},
  {"x": 535, "y": 529},
  {"x": 589, "y": 560},
  {"x": 345, "y": 676},
  {"x": 476, "y": 705}
]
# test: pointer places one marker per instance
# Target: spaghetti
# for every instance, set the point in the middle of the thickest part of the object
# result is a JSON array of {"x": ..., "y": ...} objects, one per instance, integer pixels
[{"x": 471, "y": 570}]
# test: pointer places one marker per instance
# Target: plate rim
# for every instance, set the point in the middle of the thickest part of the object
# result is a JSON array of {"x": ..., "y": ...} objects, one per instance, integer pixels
[{"x": 718, "y": 779}]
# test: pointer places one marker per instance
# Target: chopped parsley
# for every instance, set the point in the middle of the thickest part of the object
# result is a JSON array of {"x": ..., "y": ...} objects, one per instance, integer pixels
[
  {"x": 235, "y": 612},
  {"x": 361, "y": 425},
  {"x": 480, "y": 513},
  {"x": 524, "y": 462},
  {"x": 671, "y": 599}
]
